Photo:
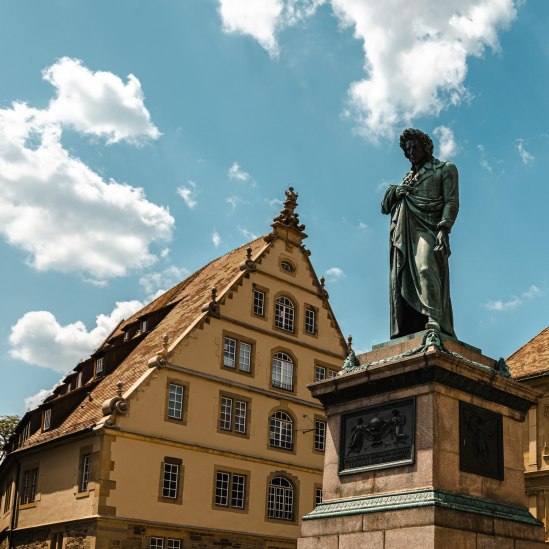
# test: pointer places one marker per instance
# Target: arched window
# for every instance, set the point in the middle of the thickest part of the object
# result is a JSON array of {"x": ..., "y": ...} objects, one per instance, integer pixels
[
  {"x": 282, "y": 371},
  {"x": 284, "y": 314},
  {"x": 281, "y": 431},
  {"x": 281, "y": 499}
]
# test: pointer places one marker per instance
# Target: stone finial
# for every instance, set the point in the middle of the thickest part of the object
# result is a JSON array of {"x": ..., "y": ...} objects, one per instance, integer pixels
[
  {"x": 323, "y": 292},
  {"x": 248, "y": 264},
  {"x": 212, "y": 307},
  {"x": 119, "y": 387},
  {"x": 165, "y": 343},
  {"x": 349, "y": 343},
  {"x": 288, "y": 215}
]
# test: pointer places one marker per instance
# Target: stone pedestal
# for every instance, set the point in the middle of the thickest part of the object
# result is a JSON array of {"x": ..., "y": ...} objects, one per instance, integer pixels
[{"x": 424, "y": 450}]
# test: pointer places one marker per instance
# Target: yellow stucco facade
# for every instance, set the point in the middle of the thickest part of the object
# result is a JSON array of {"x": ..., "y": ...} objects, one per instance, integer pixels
[{"x": 218, "y": 442}]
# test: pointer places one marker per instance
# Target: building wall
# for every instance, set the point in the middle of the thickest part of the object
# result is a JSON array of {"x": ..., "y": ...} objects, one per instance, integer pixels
[
  {"x": 535, "y": 444},
  {"x": 127, "y": 465}
]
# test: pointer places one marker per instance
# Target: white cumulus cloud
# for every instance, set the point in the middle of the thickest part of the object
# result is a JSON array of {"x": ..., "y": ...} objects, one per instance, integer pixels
[
  {"x": 447, "y": 145},
  {"x": 334, "y": 273},
  {"x": 65, "y": 216},
  {"x": 38, "y": 338},
  {"x": 98, "y": 103},
  {"x": 236, "y": 173},
  {"x": 216, "y": 239},
  {"x": 514, "y": 302},
  {"x": 33, "y": 401},
  {"x": 188, "y": 194},
  {"x": 415, "y": 53},
  {"x": 525, "y": 156},
  {"x": 262, "y": 19}
]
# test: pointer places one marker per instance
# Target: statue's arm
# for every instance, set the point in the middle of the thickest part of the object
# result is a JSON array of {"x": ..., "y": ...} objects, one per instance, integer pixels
[
  {"x": 389, "y": 200},
  {"x": 450, "y": 195}
]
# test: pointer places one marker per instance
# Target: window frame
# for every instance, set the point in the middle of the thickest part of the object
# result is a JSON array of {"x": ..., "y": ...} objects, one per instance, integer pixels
[
  {"x": 317, "y": 489},
  {"x": 318, "y": 368},
  {"x": 46, "y": 420},
  {"x": 178, "y": 499},
  {"x": 310, "y": 309},
  {"x": 265, "y": 292},
  {"x": 99, "y": 366},
  {"x": 221, "y": 469},
  {"x": 156, "y": 545},
  {"x": 234, "y": 398},
  {"x": 29, "y": 487},
  {"x": 84, "y": 476},
  {"x": 320, "y": 448},
  {"x": 239, "y": 340},
  {"x": 185, "y": 404},
  {"x": 289, "y": 449},
  {"x": 276, "y": 316},
  {"x": 293, "y": 361},
  {"x": 294, "y": 483}
]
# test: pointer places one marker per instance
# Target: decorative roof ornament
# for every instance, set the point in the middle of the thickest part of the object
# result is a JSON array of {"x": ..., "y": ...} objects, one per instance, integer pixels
[
  {"x": 323, "y": 292},
  {"x": 213, "y": 306},
  {"x": 249, "y": 263},
  {"x": 351, "y": 362},
  {"x": 288, "y": 215}
]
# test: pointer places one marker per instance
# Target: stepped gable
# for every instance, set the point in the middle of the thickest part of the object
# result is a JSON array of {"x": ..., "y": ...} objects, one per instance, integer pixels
[
  {"x": 189, "y": 297},
  {"x": 532, "y": 358}
]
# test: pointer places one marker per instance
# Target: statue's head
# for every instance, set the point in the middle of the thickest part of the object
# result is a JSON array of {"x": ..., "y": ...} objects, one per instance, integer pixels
[{"x": 410, "y": 136}]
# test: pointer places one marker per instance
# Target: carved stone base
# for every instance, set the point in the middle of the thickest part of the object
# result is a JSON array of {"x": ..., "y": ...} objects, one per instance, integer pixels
[{"x": 424, "y": 450}]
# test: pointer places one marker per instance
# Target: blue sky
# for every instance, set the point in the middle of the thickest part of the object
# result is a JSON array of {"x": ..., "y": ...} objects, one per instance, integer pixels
[{"x": 139, "y": 140}]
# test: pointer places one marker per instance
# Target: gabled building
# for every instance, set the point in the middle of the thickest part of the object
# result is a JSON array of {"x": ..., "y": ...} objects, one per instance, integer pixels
[
  {"x": 191, "y": 425},
  {"x": 530, "y": 365}
]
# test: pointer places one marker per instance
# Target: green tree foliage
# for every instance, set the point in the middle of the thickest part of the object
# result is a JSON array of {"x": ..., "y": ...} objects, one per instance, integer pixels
[{"x": 7, "y": 427}]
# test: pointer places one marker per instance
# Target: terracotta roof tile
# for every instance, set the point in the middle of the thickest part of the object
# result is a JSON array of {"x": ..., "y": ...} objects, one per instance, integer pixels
[
  {"x": 532, "y": 358},
  {"x": 189, "y": 297}
]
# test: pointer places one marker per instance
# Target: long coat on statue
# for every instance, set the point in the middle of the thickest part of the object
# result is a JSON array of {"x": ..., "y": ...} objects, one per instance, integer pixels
[{"x": 419, "y": 276}]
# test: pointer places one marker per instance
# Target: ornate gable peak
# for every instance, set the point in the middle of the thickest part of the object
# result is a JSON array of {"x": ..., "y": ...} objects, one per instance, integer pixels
[{"x": 286, "y": 224}]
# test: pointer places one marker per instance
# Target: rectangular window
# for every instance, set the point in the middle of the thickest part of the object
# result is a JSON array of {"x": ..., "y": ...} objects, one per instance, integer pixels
[
  {"x": 173, "y": 543},
  {"x": 233, "y": 415},
  {"x": 259, "y": 303},
  {"x": 332, "y": 373},
  {"x": 156, "y": 543},
  {"x": 318, "y": 496},
  {"x": 230, "y": 490},
  {"x": 320, "y": 373},
  {"x": 47, "y": 419},
  {"x": 175, "y": 401},
  {"x": 234, "y": 348},
  {"x": 229, "y": 355},
  {"x": 79, "y": 380},
  {"x": 85, "y": 473},
  {"x": 30, "y": 484},
  {"x": 126, "y": 336},
  {"x": 320, "y": 435},
  {"x": 99, "y": 366},
  {"x": 143, "y": 326},
  {"x": 170, "y": 481},
  {"x": 310, "y": 320}
]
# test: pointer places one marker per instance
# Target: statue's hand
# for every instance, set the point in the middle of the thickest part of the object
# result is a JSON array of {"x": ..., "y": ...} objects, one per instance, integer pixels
[
  {"x": 443, "y": 242},
  {"x": 402, "y": 190}
]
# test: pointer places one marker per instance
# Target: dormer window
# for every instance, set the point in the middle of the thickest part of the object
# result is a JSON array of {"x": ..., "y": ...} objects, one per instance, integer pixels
[
  {"x": 99, "y": 366},
  {"x": 79, "y": 380},
  {"x": 143, "y": 326},
  {"x": 126, "y": 336},
  {"x": 47, "y": 420}
]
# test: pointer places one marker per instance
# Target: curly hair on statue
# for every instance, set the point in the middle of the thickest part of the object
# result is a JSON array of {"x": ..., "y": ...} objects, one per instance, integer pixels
[{"x": 410, "y": 134}]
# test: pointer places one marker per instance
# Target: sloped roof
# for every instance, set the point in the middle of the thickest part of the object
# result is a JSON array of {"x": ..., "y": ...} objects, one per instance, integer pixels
[
  {"x": 532, "y": 358},
  {"x": 188, "y": 298}
]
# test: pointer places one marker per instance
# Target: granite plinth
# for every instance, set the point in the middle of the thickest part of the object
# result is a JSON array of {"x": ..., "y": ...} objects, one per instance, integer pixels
[{"x": 431, "y": 502}]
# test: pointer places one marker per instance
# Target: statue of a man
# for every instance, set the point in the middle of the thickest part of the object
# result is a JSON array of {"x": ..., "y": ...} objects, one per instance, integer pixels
[{"x": 423, "y": 209}]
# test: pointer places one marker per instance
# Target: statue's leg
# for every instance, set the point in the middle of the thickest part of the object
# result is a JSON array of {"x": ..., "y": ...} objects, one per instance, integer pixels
[{"x": 430, "y": 282}]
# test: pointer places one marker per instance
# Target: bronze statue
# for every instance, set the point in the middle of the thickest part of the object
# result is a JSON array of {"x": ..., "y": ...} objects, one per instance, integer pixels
[{"x": 423, "y": 210}]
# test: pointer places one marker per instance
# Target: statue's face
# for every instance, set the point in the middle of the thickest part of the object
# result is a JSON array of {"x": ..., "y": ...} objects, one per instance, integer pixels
[{"x": 415, "y": 152}]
